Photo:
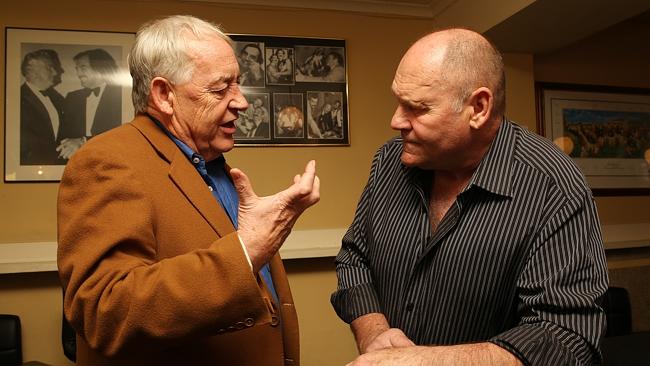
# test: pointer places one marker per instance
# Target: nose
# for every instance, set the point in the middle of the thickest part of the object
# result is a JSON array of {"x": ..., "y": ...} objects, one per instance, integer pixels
[
  {"x": 400, "y": 120},
  {"x": 238, "y": 101}
]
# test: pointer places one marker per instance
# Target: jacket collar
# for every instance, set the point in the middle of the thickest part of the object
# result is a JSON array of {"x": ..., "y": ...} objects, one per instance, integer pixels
[{"x": 185, "y": 176}]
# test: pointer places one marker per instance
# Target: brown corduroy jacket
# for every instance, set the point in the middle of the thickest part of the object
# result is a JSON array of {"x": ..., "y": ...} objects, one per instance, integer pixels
[{"x": 153, "y": 271}]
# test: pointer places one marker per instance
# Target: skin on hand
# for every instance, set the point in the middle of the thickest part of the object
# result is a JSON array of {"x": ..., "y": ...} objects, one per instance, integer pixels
[
  {"x": 69, "y": 146},
  {"x": 373, "y": 332},
  {"x": 476, "y": 354},
  {"x": 265, "y": 222},
  {"x": 391, "y": 338}
]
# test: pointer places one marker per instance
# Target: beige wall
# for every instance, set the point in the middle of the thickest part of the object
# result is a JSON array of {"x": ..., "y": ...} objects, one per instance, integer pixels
[
  {"x": 617, "y": 57},
  {"x": 374, "y": 45}
]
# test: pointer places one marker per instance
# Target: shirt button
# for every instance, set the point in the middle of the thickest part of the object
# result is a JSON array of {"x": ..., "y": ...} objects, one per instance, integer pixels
[
  {"x": 409, "y": 307},
  {"x": 210, "y": 188},
  {"x": 196, "y": 160}
]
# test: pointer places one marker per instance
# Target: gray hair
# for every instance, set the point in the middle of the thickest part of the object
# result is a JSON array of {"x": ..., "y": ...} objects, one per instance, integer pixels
[
  {"x": 471, "y": 62},
  {"x": 161, "y": 49}
]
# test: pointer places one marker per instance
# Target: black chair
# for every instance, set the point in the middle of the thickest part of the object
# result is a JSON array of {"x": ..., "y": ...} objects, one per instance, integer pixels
[
  {"x": 68, "y": 340},
  {"x": 11, "y": 352},
  {"x": 616, "y": 304},
  {"x": 11, "y": 349},
  {"x": 621, "y": 346}
]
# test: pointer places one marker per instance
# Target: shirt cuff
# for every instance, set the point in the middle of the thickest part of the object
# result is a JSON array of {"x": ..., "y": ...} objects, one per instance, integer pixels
[
  {"x": 248, "y": 258},
  {"x": 354, "y": 302},
  {"x": 539, "y": 345}
]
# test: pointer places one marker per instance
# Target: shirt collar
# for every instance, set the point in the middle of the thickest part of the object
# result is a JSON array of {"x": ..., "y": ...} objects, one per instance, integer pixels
[
  {"x": 187, "y": 151},
  {"x": 494, "y": 173}
]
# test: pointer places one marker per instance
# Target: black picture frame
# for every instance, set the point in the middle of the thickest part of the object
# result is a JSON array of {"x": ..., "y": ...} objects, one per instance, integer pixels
[
  {"x": 296, "y": 88},
  {"x": 33, "y": 110}
]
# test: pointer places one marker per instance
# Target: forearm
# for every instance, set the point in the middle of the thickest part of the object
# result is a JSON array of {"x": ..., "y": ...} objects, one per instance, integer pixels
[
  {"x": 477, "y": 354},
  {"x": 367, "y": 327}
]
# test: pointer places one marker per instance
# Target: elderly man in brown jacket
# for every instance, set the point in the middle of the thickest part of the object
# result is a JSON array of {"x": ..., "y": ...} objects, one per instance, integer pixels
[{"x": 166, "y": 254}]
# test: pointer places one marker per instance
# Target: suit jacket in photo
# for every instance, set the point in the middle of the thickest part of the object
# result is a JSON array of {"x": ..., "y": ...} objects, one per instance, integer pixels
[
  {"x": 37, "y": 139},
  {"x": 153, "y": 269},
  {"x": 107, "y": 116},
  {"x": 262, "y": 130}
]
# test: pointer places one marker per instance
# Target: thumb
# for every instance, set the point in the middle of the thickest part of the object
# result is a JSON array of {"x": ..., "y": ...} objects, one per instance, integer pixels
[{"x": 242, "y": 184}]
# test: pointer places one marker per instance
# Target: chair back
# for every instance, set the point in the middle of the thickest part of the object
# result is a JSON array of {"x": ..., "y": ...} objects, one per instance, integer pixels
[
  {"x": 616, "y": 304},
  {"x": 11, "y": 352}
]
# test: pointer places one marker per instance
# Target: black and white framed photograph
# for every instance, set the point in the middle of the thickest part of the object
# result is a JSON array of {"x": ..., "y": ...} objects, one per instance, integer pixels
[
  {"x": 304, "y": 91},
  {"x": 280, "y": 66},
  {"x": 250, "y": 56},
  {"x": 324, "y": 115},
  {"x": 289, "y": 115},
  {"x": 604, "y": 129},
  {"x": 255, "y": 122},
  {"x": 61, "y": 89},
  {"x": 320, "y": 64}
]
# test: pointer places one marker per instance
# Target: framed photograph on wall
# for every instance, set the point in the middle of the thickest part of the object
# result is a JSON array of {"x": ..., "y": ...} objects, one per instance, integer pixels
[
  {"x": 61, "y": 88},
  {"x": 299, "y": 86},
  {"x": 606, "y": 130}
]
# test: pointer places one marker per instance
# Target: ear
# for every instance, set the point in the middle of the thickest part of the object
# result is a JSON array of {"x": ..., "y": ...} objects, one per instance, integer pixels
[
  {"x": 481, "y": 101},
  {"x": 162, "y": 96}
]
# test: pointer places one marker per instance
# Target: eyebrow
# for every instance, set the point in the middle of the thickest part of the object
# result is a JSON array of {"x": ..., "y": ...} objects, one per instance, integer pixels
[{"x": 223, "y": 79}]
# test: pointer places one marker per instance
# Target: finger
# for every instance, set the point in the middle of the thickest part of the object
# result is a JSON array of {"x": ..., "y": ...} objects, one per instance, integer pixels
[
  {"x": 306, "y": 183},
  {"x": 315, "y": 193},
  {"x": 296, "y": 179},
  {"x": 242, "y": 184}
]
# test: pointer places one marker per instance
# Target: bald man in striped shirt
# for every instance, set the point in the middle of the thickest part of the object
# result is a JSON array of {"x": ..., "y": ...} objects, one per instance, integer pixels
[{"x": 475, "y": 242}]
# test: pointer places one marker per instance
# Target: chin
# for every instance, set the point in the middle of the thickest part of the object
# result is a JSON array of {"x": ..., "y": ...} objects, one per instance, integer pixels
[
  {"x": 410, "y": 160},
  {"x": 224, "y": 148}
]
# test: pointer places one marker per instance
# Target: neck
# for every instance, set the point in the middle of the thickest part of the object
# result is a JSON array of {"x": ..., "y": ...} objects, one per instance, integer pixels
[{"x": 178, "y": 132}]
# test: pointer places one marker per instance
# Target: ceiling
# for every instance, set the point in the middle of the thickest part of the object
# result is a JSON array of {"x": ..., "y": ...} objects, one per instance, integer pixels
[
  {"x": 526, "y": 26},
  {"x": 547, "y": 25},
  {"x": 402, "y": 8}
]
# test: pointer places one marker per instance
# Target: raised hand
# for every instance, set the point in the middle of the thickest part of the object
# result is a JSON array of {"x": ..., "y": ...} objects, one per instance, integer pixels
[{"x": 265, "y": 222}]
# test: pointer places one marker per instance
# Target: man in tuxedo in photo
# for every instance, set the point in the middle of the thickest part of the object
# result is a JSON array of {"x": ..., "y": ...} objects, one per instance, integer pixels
[
  {"x": 97, "y": 106},
  {"x": 41, "y": 108}
]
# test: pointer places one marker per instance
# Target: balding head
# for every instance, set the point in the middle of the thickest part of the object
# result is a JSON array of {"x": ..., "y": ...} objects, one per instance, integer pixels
[{"x": 462, "y": 61}]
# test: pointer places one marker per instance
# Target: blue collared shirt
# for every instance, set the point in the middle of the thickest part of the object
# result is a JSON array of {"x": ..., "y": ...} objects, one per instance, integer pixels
[{"x": 214, "y": 174}]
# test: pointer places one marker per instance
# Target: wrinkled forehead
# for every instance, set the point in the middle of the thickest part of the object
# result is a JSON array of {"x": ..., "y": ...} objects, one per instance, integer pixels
[
  {"x": 211, "y": 49},
  {"x": 420, "y": 66}
]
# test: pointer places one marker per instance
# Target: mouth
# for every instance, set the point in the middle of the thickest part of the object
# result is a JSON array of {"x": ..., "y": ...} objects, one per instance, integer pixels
[{"x": 228, "y": 127}]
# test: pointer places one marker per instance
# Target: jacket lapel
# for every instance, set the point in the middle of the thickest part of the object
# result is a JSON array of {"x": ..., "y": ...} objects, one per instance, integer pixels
[{"x": 185, "y": 176}]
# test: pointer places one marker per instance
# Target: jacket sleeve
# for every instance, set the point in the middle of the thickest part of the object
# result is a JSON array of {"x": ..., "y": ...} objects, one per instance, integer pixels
[
  {"x": 560, "y": 321},
  {"x": 119, "y": 295}
]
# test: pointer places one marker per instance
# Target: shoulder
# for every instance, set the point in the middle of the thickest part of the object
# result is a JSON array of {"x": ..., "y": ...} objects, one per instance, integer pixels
[
  {"x": 543, "y": 157},
  {"x": 388, "y": 155},
  {"x": 112, "y": 88},
  {"x": 76, "y": 94},
  {"x": 114, "y": 142}
]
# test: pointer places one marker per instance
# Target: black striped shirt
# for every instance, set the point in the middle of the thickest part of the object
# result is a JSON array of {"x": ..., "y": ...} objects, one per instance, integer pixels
[{"x": 517, "y": 260}]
